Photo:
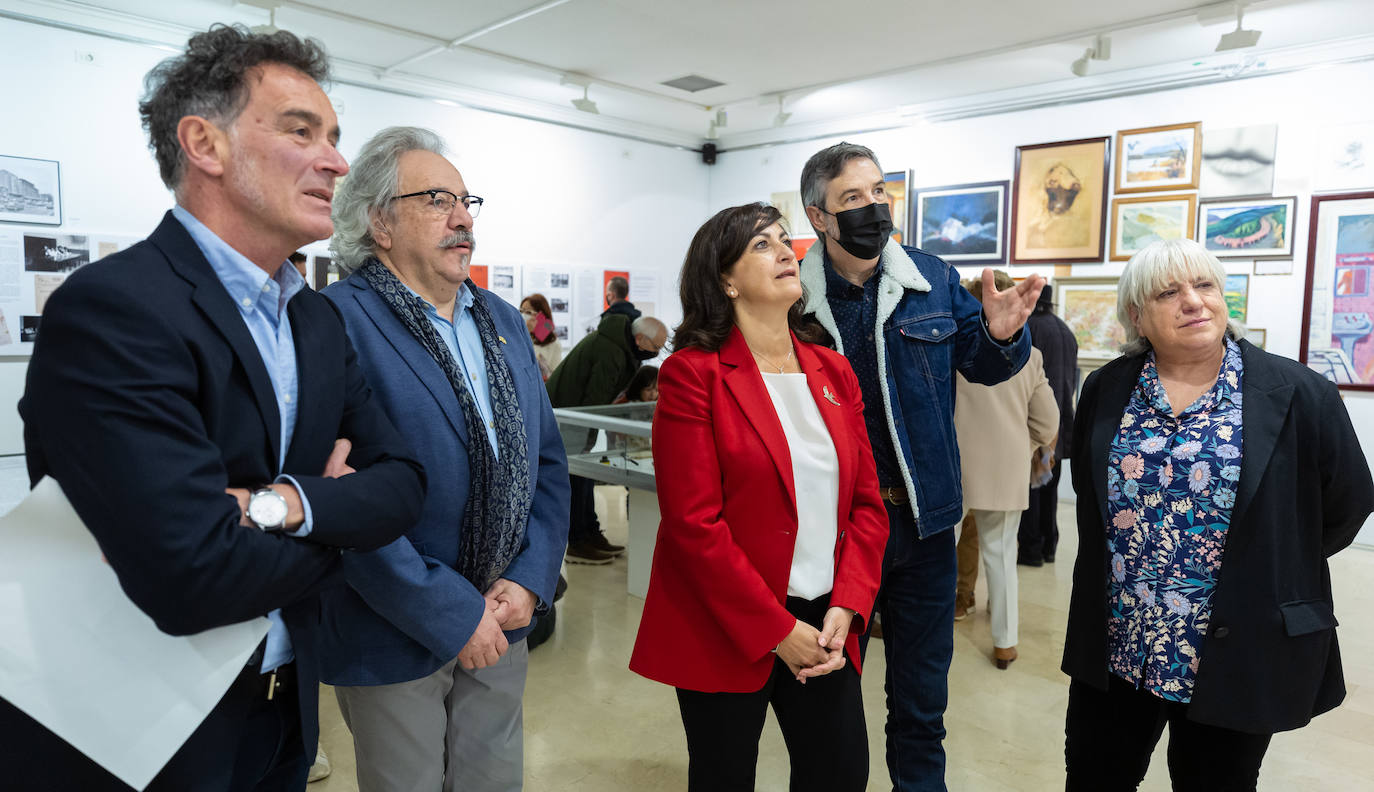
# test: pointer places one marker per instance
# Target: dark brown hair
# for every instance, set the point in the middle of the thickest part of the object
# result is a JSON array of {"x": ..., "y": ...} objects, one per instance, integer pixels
[
  {"x": 540, "y": 304},
  {"x": 708, "y": 315}
]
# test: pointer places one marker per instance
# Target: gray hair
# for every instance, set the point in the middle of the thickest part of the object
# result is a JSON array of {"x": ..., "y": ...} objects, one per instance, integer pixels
[
  {"x": 1155, "y": 267},
  {"x": 825, "y": 165},
  {"x": 369, "y": 187},
  {"x": 648, "y": 327},
  {"x": 210, "y": 80}
]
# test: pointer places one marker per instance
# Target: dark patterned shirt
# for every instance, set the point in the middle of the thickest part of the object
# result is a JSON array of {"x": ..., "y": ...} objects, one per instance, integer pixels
[
  {"x": 856, "y": 316},
  {"x": 1171, "y": 484}
]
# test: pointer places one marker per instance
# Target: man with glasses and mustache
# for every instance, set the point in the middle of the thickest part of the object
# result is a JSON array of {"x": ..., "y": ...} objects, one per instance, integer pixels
[{"x": 426, "y": 646}]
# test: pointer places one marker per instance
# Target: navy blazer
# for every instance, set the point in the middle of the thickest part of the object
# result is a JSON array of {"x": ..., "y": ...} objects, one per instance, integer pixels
[
  {"x": 407, "y": 611},
  {"x": 146, "y": 398}
]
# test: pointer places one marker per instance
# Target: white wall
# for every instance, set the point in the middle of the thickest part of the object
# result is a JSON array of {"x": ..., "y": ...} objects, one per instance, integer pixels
[
  {"x": 555, "y": 196},
  {"x": 983, "y": 149}
]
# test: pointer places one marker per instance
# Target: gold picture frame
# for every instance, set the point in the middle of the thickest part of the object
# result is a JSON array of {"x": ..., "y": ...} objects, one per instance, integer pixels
[{"x": 1159, "y": 158}]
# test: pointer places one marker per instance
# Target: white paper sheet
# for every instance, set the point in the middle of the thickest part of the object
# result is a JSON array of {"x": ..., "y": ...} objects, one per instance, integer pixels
[{"x": 79, "y": 657}]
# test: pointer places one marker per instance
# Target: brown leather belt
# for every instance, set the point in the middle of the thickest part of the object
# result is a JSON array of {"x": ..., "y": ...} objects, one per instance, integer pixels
[{"x": 894, "y": 495}]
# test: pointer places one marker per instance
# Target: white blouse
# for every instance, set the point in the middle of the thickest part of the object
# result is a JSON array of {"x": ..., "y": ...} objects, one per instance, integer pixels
[{"x": 816, "y": 476}]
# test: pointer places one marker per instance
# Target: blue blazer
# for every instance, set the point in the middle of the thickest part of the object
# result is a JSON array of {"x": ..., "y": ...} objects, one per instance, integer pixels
[
  {"x": 146, "y": 398},
  {"x": 407, "y": 611}
]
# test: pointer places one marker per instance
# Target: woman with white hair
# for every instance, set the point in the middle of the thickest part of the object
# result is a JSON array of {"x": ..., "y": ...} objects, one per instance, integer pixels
[{"x": 1213, "y": 480}]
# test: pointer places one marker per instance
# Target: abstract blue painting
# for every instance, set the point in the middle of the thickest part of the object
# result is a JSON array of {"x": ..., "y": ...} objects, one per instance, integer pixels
[{"x": 963, "y": 222}]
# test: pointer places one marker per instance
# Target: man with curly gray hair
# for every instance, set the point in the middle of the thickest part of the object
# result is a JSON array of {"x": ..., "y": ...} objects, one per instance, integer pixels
[
  {"x": 426, "y": 647},
  {"x": 162, "y": 395}
]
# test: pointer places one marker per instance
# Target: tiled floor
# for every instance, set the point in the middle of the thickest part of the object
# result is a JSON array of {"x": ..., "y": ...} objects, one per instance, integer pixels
[{"x": 590, "y": 724}]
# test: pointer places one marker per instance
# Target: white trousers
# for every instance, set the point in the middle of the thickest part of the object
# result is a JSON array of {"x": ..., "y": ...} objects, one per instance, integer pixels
[
  {"x": 452, "y": 730},
  {"x": 997, "y": 544}
]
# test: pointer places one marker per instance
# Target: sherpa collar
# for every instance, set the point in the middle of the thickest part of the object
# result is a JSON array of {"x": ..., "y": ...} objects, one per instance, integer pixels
[{"x": 899, "y": 273}]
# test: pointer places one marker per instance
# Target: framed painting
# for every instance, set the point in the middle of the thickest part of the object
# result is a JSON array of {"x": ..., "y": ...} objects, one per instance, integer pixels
[
  {"x": 1254, "y": 228},
  {"x": 1059, "y": 201},
  {"x": 1151, "y": 159},
  {"x": 1237, "y": 294},
  {"x": 30, "y": 191},
  {"x": 1088, "y": 307},
  {"x": 1338, "y": 309},
  {"x": 1136, "y": 222},
  {"x": 1238, "y": 161},
  {"x": 894, "y": 184},
  {"x": 961, "y": 222},
  {"x": 1257, "y": 336}
]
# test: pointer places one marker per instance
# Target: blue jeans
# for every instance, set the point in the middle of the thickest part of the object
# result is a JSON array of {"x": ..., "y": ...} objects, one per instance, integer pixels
[{"x": 917, "y": 605}]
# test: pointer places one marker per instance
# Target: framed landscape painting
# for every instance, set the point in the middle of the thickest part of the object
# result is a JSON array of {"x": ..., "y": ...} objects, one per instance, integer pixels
[
  {"x": 1088, "y": 307},
  {"x": 1254, "y": 228},
  {"x": 1136, "y": 222},
  {"x": 1059, "y": 201},
  {"x": 961, "y": 222},
  {"x": 1151, "y": 159}
]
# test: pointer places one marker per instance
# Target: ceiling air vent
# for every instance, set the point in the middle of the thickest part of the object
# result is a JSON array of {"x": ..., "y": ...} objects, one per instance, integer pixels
[{"x": 692, "y": 83}]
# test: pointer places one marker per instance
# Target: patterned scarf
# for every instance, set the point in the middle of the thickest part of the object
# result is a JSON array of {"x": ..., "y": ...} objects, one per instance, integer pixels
[{"x": 498, "y": 505}]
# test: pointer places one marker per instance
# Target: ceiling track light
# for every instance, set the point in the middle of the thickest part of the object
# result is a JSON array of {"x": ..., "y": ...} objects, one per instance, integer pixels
[
  {"x": 1100, "y": 50},
  {"x": 1240, "y": 38},
  {"x": 722, "y": 118},
  {"x": 584, "y": 104},
  {"x": 271, "y": 26},
  {"x": 782, "y": 116}
]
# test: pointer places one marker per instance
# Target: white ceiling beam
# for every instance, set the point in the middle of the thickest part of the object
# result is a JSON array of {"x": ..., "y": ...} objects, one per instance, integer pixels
[{"x": 481, "y": 31}]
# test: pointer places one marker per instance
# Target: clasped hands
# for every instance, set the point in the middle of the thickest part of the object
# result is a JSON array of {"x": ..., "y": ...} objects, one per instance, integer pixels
[
  {"x": 509, "y": 606},
  {"x": 809, "y": 652}
]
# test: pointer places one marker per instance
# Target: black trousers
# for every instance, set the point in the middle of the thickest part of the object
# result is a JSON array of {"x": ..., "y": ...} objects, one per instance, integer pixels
[
  {"x": 822, "y": 723},
  {"x": 1038, "y": 535},
  {"x": 247, "y": 744},
  {"x": 1109, "y": 738},
  {"x": 582, "y": 523}
]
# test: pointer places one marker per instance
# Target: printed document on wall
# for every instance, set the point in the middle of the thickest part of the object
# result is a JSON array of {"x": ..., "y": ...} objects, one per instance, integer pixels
[{"x": 80, "y": 658}]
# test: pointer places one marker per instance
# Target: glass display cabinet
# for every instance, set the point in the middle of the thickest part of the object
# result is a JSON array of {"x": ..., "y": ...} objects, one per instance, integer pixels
[{"x": 614, "y": 443}]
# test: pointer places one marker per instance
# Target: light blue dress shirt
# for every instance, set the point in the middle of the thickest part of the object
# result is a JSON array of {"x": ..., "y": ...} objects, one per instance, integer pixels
[
  {"x": 464, "y": 342},
  {"x": 261, "y": 300}
]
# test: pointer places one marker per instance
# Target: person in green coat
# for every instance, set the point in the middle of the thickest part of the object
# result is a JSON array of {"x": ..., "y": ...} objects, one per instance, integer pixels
[{"x": 594, "y": 372}]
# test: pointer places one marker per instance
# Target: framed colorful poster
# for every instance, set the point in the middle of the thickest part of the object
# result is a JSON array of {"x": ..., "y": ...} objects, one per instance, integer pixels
[
  {"x": 1237, "y": 294},
  {"x": 1136, "y": 222},
  {"x": 1159, "y": 158},
  {"x": 1254, "y": 228},
  {"x": 961, "y": 222},
  {"x": 30, "y": 191},
  {"x": 894, "y": 184},
  {"x": 1059, "y": 201},
  {"x": 1338, "y": 309},
  {"x": 1088, "y": 307}
]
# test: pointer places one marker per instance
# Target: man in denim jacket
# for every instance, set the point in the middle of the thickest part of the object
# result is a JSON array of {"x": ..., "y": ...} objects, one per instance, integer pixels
[{"x": 906, "y": 325}]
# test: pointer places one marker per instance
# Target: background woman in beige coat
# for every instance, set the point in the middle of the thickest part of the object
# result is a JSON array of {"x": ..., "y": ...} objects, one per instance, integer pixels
[{"x": 998, "y": 428}]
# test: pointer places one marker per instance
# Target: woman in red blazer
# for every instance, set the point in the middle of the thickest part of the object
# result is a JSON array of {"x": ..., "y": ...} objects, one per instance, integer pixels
[{"x": 771, "y": 543}]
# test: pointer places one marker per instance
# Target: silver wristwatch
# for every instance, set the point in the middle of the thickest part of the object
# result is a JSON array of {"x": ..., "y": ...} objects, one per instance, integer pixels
[{"x": 267, "y": 509}]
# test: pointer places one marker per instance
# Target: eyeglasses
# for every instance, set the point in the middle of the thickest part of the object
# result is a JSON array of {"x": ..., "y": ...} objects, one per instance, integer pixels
[{"x": 444, "y": 201}]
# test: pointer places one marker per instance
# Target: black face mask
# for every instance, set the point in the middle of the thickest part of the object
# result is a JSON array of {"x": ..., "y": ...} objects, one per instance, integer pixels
[
  {"x": 864, "y": 231},
  {"x": 644, "y": 354}
]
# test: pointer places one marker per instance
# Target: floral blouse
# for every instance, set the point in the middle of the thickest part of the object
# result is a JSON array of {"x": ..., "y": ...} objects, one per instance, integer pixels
[{"x": 1171, "y": 483}]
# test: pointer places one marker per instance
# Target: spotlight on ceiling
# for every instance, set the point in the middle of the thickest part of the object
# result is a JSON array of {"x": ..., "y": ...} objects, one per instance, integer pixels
[
  {"x": 1100, "y": 50},
  {"x": 782, "y": 116},
  {"x": 271, "y": 26},
  {"x": 722, "y": 119},
  {"x": 584, "y": 104},
  {"x": 711, "y": 133},
  {"x": 1238, "y": 38}
]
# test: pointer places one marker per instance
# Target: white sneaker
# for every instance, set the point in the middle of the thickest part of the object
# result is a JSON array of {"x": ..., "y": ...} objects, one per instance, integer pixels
[{"x": 321, "y": 768}]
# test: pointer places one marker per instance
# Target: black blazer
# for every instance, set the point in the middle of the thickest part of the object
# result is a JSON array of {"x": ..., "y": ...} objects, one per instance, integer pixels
[
  {"x": 1271, "y": 661},
  {"x": 146, "y": 398}
]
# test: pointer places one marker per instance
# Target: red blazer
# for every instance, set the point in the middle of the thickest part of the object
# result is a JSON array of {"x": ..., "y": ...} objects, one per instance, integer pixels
[{"x": 715, "y": 609}]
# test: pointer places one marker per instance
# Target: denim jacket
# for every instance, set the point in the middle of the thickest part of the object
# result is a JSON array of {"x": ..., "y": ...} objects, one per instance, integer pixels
[{"x": 924, "y": 335}]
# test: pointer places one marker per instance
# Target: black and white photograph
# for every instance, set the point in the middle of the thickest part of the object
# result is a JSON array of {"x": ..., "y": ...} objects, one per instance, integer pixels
[
  {"x": 28, "y": 329},
  {"x": 559, "y": 280},
  {"x": 558, "y": 304},
  {"x": 30, "y": 191},
  {"x": 1239, "y": 161},
  {"x": 503, "y": 280},
  {"x": 57, "y": 253}
]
